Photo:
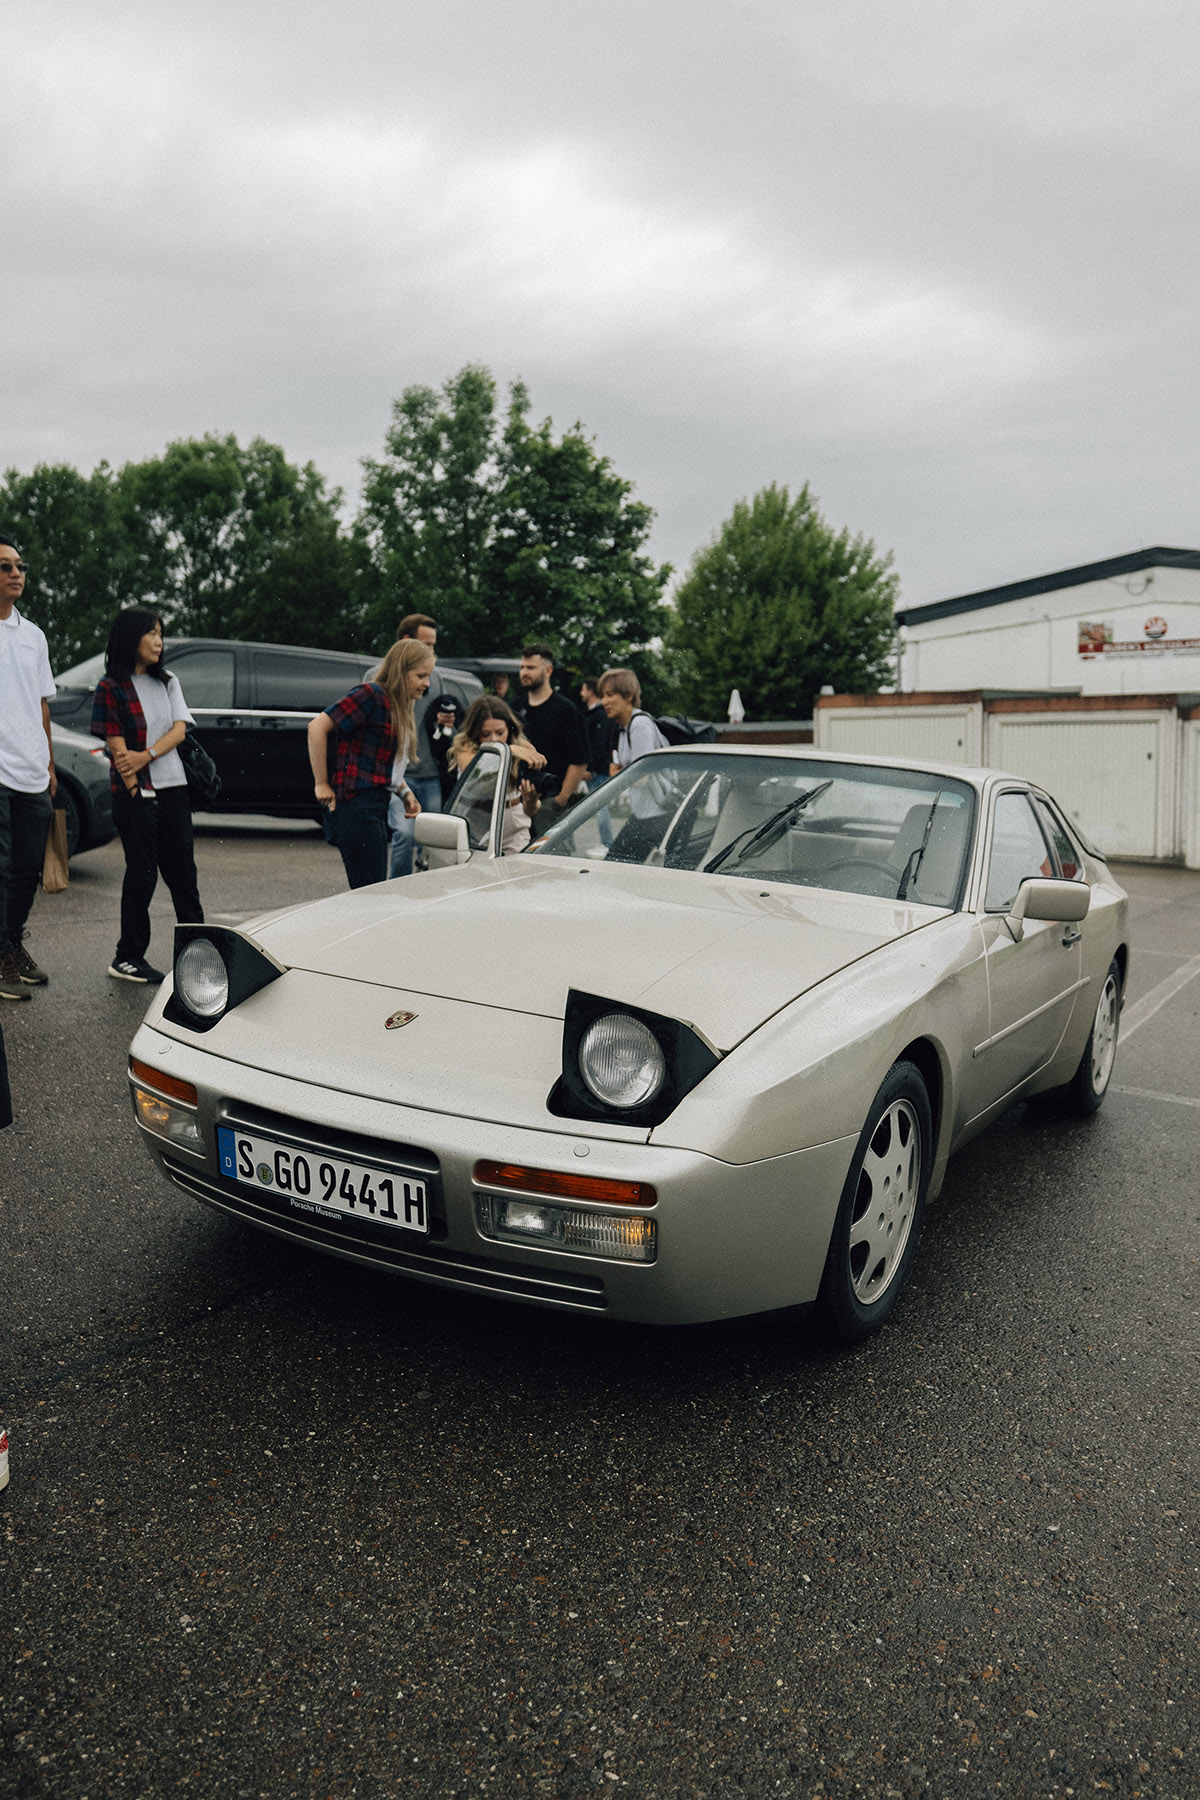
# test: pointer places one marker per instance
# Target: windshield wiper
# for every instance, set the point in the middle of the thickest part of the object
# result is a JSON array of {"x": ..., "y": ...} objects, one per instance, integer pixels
[
  {"x": 769, "y": 832},
  {"x": 914, "y": 861}
]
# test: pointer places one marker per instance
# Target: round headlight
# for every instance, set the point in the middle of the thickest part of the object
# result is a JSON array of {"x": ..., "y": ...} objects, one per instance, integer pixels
[
  {"x": 201, "y": 979},
  {"x": 621, "y": 1061}
]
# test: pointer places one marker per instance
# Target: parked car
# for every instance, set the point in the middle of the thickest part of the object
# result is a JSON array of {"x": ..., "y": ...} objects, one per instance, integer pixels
[
  {"x": 252, "y": 704},
  {"x": 83, "y": 789},
  {"x": 703, "y": 1049}
]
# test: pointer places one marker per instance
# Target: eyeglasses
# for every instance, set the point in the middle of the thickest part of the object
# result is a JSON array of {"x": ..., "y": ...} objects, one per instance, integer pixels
[{"x": 9, "y": 568}]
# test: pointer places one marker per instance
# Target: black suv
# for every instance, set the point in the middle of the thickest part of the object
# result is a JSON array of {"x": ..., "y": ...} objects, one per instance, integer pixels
[{"x": 252, "y": 704}]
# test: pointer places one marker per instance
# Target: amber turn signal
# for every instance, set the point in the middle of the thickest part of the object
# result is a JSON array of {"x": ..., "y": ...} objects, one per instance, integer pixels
[
  {"x": 166, "y": 1084},
  {"x": 564, "y": 1187}
]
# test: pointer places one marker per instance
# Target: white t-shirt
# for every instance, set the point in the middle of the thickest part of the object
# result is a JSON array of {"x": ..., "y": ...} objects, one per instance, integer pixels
[
  {"x": 639, "y": 737},
  {"x": 163, "y": 706},
  {"x": 25, "y": 681}
]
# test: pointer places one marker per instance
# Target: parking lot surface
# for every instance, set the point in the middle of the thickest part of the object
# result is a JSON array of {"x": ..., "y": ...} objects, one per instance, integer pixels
[{"x": 279, "y": 1527}]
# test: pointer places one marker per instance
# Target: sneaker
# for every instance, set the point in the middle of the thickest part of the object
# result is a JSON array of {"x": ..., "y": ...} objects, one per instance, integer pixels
[
  {"x": 135, "y": 971},
  {"x": 27, "y": 969},
  {"x": 11, "y": 985}
]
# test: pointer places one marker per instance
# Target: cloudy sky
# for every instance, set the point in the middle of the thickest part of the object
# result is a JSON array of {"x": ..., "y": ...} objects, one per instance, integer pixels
[{"x": 935, "y": 257}]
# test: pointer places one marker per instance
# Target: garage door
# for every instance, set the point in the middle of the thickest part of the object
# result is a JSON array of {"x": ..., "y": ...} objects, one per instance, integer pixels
[{"x": 1111, "y": 773}]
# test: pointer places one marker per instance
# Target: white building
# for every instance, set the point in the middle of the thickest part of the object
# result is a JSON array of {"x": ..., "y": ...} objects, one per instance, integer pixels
[{"x": 1130, "y": 625}]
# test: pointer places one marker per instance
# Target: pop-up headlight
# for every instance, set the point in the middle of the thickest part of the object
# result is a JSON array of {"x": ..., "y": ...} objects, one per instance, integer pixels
[
  {"x": 626, "y": 1064},
  {"x": 216, "y": 968}
]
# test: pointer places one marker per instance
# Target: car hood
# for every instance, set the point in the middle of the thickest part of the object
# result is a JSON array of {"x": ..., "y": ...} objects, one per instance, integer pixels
[{"x": 720, "y": 953}]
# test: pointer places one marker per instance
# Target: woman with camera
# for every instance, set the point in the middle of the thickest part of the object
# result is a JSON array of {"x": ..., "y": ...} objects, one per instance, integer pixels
[{"x": 491, "y": 720}]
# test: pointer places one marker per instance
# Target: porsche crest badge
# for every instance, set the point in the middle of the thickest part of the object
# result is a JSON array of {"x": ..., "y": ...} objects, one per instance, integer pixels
[{"x": 397, "y": 1020}]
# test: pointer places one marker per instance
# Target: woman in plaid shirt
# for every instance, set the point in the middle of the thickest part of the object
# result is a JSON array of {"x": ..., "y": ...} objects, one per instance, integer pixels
[{"x": 374, "y": 736}]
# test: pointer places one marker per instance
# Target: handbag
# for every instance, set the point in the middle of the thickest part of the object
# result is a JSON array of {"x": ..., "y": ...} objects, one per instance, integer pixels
[
  {"x": 203, "y": 782},
  {"x": 55, "y": 874}
]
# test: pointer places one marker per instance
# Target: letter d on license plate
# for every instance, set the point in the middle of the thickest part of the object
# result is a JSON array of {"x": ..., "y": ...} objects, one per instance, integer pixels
[{"x": 316, "y": 1181}]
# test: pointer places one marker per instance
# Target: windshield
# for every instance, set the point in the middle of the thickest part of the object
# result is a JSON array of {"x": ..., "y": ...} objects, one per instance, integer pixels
[{"x": 897, "y": 833}]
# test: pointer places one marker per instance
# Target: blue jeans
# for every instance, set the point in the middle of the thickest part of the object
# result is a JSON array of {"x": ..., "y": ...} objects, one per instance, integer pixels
[
  {"x": 357, "y": 829},
  {"x": 428, "y": 790}
]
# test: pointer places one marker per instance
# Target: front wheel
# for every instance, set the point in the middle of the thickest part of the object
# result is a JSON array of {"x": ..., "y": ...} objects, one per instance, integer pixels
[
  {"x": 878, "y": 1221},
  {"x": 1086, "y": 1089}
]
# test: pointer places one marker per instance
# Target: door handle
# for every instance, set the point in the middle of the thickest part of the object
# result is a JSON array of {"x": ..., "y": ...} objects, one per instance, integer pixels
[{"x": 1069, "y": 937}]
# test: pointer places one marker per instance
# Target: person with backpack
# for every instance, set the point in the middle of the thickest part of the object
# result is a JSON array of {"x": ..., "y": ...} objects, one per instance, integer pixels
[{"x": 637, "y": 733}]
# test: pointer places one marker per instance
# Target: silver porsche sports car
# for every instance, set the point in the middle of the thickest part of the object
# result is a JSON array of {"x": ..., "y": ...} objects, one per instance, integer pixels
[{"x": 702, "y": 1049}]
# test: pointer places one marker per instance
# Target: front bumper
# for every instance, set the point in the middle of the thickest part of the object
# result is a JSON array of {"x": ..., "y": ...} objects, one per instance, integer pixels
[{"x": 732, "y": 1239}]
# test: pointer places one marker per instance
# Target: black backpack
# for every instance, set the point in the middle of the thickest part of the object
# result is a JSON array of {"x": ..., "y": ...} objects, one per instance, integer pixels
[{"x": 678, "y": 730}]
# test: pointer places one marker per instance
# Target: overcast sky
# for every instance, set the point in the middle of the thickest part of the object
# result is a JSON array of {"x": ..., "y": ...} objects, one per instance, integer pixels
[{"x": 935, "y": 257}]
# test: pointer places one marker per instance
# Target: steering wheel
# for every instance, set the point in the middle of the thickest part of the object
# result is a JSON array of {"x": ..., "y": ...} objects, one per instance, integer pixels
[{"x": 864, "y": 862}]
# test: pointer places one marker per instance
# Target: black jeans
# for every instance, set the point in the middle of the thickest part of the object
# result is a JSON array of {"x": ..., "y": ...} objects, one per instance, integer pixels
[
  {"x": 24, "y": 826},
  {"x": 155, "y": 835},
  {"x": 357, "y": 829}
]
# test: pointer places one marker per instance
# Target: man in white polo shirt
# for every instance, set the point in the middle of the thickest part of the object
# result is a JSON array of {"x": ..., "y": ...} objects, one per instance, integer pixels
[{"x": 27, "y": 779}]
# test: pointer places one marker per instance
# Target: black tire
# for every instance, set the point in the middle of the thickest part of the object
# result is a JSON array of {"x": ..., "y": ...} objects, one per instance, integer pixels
[
  {"x": 70, "y": 805},
  {"x": 1084, "y": 1093},
  {"x": 878, "y": 1222}
]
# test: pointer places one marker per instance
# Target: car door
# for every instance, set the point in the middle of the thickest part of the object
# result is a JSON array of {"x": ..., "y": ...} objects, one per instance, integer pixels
[
  {"x": 289, "y": 686},
  {"x": 1032, "y": 981},
  {"x": 478, "y": 797}
]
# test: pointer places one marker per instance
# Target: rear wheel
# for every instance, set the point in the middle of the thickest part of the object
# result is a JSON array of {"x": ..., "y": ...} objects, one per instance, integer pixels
[{"x": 878, "y": 1221}]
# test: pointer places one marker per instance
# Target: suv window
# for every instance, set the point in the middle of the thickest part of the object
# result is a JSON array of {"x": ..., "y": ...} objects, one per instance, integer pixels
[
  {"x": 206, "y": 676},
  {"x": 305, "y": 684},
  {"x": 1018, "y": 851}
]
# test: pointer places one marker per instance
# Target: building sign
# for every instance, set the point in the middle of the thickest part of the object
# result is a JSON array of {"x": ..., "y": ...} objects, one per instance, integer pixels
[{"x": 1096, "y": 639}]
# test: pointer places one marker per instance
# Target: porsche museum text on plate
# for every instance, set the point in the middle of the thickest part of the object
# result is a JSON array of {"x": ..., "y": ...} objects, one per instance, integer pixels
[{"x": 704, "y": 1049}]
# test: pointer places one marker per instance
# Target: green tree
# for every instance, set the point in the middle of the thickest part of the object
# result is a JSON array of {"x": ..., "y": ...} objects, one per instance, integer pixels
[
  {"x": 67, "y": 528},
  {"x": 566, "y": 561},
  {"x": 503, "y": 533},
  {"x": 233, "y": 541},
  {"x": 778, "y": 605},
  {"x": 427, "y": 512}
]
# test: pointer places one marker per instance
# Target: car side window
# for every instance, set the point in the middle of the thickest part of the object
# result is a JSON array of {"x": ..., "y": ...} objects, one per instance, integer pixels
[
  {"x": 304, "y": 684},
  {"x": 1060, "y": 837},
  {"x": 1019, "y": 851},
  {"x": 206, "y": 677}
]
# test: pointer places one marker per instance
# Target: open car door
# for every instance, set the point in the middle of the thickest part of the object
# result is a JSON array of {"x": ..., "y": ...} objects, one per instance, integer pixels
[{"x": 473, "y": 821}]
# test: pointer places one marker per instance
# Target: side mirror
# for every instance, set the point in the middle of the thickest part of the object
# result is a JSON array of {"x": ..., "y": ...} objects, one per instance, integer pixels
[
  {"x": 444, "y": 834},
  {"x": 1040, "y": 897}
]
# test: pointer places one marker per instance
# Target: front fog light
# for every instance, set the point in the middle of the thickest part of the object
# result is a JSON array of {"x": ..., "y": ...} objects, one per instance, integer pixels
[
  {"x": 168, "y": 1121},
  {"x": 201, "y": 978},
  {"x": 622, "y": 1237}
]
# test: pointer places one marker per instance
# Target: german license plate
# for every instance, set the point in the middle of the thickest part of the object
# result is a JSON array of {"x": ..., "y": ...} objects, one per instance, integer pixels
[{"x": 317, "y": 1181}]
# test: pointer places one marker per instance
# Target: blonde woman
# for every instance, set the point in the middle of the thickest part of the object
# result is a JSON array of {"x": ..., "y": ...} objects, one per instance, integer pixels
[
  {"x": 491, "y": 720},
  {"x": 375, "y": 736}
]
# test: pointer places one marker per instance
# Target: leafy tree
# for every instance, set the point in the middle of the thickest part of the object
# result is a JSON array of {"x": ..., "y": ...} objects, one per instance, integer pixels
[
  {"x": 504, "y": 534},
  {"x": 233, "y": 541},
  {"x": 427, "y": 511},
  {"x": 778, "y": 605},
  {"x": 66, "y": 525}
]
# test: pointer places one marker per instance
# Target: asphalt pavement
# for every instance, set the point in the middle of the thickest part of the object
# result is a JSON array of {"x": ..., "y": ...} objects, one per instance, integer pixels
[{"x": 279, "y": 1527}]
